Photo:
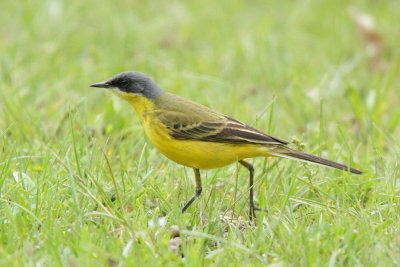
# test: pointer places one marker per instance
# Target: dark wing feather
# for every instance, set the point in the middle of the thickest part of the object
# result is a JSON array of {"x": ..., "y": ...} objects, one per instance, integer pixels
[{"x": 220, "y": 129}]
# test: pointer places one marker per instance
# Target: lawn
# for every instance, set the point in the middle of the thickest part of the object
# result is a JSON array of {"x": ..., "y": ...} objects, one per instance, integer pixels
[{"x": 81, "y": 185}]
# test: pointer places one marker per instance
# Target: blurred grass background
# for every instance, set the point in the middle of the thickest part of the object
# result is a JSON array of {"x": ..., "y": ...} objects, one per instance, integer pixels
[{"x": 80, "y": 184}]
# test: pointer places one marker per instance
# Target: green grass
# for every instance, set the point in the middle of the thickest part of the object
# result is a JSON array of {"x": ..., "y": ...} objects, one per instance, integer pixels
[{"x": 79, "y": 181}]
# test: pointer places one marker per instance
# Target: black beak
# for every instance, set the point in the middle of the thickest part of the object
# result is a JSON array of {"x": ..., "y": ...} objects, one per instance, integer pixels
[{"x": 102, "y": 85}]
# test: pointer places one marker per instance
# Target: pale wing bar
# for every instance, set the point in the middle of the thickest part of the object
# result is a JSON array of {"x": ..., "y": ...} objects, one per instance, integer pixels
[{"x": 229, "y": 131}]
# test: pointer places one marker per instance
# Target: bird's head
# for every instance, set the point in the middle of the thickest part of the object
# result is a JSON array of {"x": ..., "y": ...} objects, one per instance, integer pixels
[{"x": 131, "y": 83}]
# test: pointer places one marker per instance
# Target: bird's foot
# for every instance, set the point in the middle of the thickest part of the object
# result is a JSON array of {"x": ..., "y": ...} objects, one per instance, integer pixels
[{"x": 253, "y": 210}]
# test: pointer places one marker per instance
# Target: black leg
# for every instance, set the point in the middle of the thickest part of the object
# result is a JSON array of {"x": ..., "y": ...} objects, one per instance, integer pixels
[
  {"x": 197, "y": 192},
  {"x": 253, "y": 208}
]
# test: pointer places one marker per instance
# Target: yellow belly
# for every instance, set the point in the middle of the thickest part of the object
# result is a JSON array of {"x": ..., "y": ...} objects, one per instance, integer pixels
[{"x": 199, "y": 154}]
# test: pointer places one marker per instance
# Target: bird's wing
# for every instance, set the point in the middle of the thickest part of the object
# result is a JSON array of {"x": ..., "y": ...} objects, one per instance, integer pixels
[{"x": 212, "y": 127}]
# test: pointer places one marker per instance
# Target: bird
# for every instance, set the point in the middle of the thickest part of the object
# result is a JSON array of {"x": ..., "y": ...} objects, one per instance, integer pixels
[{"x": 199, "y": 137}]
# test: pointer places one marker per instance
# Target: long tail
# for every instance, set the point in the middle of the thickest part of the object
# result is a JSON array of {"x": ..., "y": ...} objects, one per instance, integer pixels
[{"x": 285, "y": 152}]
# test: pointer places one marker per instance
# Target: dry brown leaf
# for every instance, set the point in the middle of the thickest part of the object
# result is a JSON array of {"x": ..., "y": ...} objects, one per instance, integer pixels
[{"x": 372, "y": 38}]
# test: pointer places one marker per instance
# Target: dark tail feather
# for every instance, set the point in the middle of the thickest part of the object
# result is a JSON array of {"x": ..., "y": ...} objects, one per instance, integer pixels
[{"x": 286, "y": 152}]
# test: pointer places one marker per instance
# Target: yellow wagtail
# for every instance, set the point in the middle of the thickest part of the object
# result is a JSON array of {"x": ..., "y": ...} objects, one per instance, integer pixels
[{"x": 196, "y": 136}]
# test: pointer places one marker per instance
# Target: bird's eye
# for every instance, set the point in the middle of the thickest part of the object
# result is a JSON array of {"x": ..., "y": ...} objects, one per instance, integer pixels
[{"x": 124, "y": 82}]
